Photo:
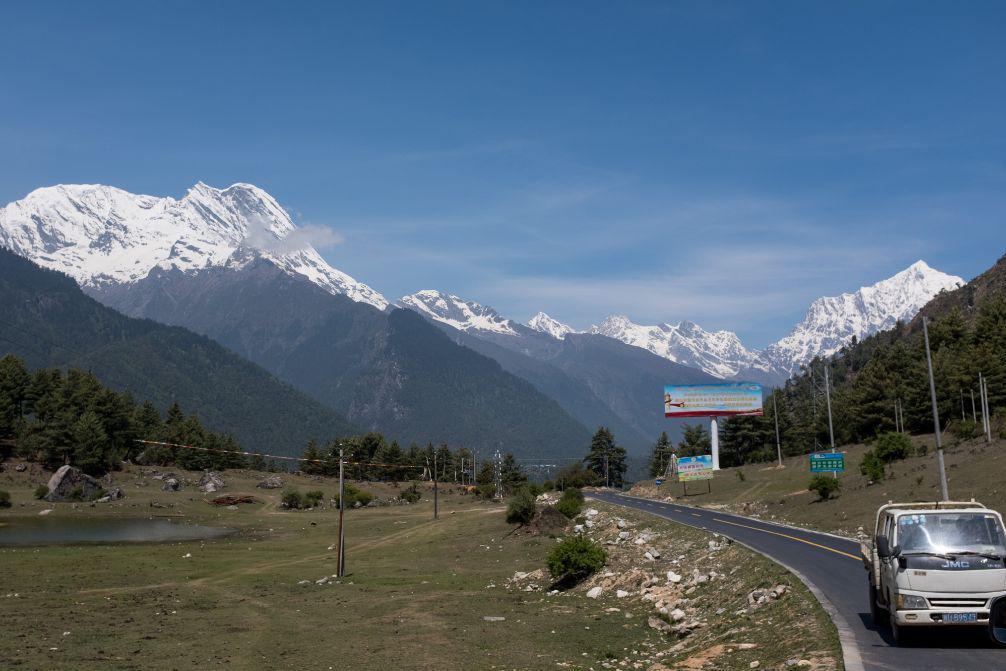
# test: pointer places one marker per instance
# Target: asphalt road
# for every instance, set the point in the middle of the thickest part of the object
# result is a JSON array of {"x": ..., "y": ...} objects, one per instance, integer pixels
[{"x": 833, "y": 567}]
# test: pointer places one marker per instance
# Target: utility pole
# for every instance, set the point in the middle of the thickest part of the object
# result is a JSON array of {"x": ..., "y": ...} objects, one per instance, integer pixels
[
  {"x": 827, "y": 395},
  {"x": 778, "y": 443},
  {"x": 606, "y": 471},
  {"x": 988, "y": 415},
  {"x": 936, "y": 414},
  {"x": 436, "y": 508},
  {"x": 341, "y": 569},
  {"x": 981, "y": 402},
  {"x": 974, "y": 414},
  {"x": 963, "y": 419}
]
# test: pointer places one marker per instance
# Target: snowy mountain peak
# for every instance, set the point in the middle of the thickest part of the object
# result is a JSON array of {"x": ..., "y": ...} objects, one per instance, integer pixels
[
  {"x": 542, "y": 323},
  {"x": 457, "y": 312},
  {"x": 100, "y": 234},
  {"x": 833, "y": 321},
  {"x": 718, "y": 353}
]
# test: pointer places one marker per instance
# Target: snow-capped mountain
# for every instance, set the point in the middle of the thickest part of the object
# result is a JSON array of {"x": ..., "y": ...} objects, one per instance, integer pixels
[
  {"x": 833, "y": 321},
  {"x": 457, "y": 312},
  {"x": 103, "y": 235},
  {"x": 542, "y": 323},
  {"x": 718, "y": 353}
]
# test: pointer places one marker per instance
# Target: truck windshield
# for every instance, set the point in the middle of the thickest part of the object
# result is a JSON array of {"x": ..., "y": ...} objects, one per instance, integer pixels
[{"x": 949, "y": 533}]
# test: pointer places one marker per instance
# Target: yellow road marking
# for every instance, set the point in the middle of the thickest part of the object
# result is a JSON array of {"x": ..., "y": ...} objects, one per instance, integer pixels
[{"x": 794, "y": 538}]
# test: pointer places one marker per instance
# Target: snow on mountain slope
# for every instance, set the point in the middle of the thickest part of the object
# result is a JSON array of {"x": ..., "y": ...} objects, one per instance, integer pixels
[
  {"x": 457, "y": 312},
  {"x": 718, "y": 353},
  {"x": 100, "y": 234},
  {"x": 542, "y": 323},
  {"x": 833, "y": 321}
]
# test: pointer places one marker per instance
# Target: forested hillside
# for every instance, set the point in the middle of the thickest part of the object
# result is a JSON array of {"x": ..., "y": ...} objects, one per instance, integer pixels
[
  {"x": 967, "y": 332},
  {"x": 49, "y": 322}
]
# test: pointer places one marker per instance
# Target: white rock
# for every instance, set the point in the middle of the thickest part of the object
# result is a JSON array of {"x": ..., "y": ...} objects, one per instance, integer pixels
[
  {"x": 621, "y": 594},
  {"x": 591, "y": 512},
  {"x": 677, "y": 615},
  {"x": 594, "y": 592},
  {"x": 673, "y": 577},
  {"x": 649, "y": 556}
]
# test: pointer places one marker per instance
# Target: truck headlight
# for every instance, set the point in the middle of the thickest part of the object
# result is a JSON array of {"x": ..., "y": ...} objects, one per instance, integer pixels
[{"x": 911, "y": 602}]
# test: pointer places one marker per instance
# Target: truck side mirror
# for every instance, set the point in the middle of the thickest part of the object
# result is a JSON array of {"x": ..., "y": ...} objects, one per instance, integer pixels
[
  {"x": 997, "y": 620},
  {"x": 883, "y": 546}
]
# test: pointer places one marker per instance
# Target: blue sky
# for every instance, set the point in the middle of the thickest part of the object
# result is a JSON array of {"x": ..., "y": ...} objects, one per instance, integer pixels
[{"x": 715, "y": 161}]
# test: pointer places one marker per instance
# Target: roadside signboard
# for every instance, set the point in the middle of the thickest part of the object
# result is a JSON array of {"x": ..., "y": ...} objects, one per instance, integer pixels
[
  {"x": 712, "y": 400},
  {"x": 827, "y": 462},
  {"x": 658, "y": 482},
  {"x": 695, "y": 468}
]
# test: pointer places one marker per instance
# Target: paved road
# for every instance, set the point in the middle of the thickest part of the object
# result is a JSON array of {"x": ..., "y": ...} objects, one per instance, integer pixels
[{"x": 833, "y": 566}]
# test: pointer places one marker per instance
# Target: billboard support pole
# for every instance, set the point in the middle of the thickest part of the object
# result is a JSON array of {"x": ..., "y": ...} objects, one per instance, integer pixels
[
  {"x": 714, "y": 441},
  {"x": 936, "y": 414}
]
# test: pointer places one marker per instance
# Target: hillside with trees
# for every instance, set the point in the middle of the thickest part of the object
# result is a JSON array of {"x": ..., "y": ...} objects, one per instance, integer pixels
[
  {"x": 48, "y": 322},
  {"x": 870, "y": 378}
]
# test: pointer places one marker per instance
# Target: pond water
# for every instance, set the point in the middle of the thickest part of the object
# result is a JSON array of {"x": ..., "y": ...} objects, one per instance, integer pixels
[{"x": 79, "y": 530}]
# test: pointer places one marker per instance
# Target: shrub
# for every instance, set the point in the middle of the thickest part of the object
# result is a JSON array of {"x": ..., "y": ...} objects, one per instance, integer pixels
[
  {"x": 41, "y": 491},
  {"x": 574, "y": 559},
  {"x": 965, "y": 429},
  {"x": 411, "y": 493},
  {"x": 548, "y": 485},
  {"x": 292, "y": 499},
  {"x": 872, "y": 467},
  {"x": 892, "y": 446},
  {"x": 521, "y": 507},
  {"x": 485, "y": 492},
  {"x": 825, "y": 486},
  {"x": 571, "y": 503},
  {"x": 313, "y": 498},
  {"x": 4, "y": 499},
  {"x": 354, "y": 496}
]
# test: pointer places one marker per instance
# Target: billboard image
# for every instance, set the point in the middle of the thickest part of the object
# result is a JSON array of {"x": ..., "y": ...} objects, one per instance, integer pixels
[
  {"x": 712, "y": 400},
  {"x": 695, "y": 468}
]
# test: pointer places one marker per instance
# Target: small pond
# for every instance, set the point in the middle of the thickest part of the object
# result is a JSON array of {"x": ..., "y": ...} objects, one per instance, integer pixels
[{"x": 81, "y": 530}]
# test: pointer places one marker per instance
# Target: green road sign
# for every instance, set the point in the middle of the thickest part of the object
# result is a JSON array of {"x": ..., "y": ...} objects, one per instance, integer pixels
[{"x": 827, "y": 462}]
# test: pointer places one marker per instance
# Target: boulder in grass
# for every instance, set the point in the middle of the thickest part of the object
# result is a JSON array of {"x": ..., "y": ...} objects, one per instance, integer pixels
[
  {"x": 113, "y": 494},
  {"x": 211, "y": 482},
  {"x": 72, "y": 484},
  {"x": 272, "y": 482},
  {"x": 172, "y": 485}
]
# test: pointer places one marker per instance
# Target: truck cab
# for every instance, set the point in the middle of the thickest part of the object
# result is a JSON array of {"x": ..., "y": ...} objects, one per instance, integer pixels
[{"x": 935, "y": 564}]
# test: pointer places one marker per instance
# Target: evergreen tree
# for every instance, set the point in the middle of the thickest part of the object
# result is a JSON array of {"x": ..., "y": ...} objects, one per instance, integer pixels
[
  {"x": 90, "y": 444},
  {"x": 606, "y": 459},
  {"x": 695, "y": 441},
  {"x": 312, "y": 464},
  {"x": 661, "y": 455}
]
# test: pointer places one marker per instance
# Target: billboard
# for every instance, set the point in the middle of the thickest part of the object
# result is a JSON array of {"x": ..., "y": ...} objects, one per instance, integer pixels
[
  {"x": 695, "y": 468},
  {"x": 827, "y": 462},
  {"x": 712, "y": 400}
]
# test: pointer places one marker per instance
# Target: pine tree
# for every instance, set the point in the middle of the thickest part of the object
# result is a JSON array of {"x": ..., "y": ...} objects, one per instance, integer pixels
[
  {"x": 695, "y": 441},
  {"x": 606, "y": 459},
  {"x": 661, "y": 455},
  {"x": 90, "y": 444},
  {"x": 312, "y": 464}
]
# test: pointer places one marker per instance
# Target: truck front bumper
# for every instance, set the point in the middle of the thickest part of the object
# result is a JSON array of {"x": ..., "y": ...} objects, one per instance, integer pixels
[{"x": 942, "y": 617}]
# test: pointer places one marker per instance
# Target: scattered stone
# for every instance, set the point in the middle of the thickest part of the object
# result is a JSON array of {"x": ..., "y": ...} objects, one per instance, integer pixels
[
  {"x": 21, "y": 468},
  {"x": 677, "y": 615},
  {"x": 187, "y": 555},
  {"x": 623, "y": 535},
  {"x": 210, "y": 482},
  {"x": 171, "y": 485},
  {"x": 113, "y": 494},
  {"x": 620, "y": 524},
  {"x": 594, "y": 592},
  {"x": 591, "y": 512},
  {"x": 45, "y": 512},
  {"x": 304, "y": 582},
  {"x": 673, "y": 577},
  {"x": 70, "y": 484},
  {"x": 754, "y": 665},
  {"x": 493, "y": 618},
  {"x": 649, "y": 556},
  {"x": 232, "y": 507},
  {"x": 659, "y": 625},
  {"x": 621, "y": 594},
  {"x": 272, "y": 482}
]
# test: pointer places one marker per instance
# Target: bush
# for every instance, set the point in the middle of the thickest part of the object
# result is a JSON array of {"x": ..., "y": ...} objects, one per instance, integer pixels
[
  {"x": 411, "y": 493},
  {"x": 825, "y": 486},
  {"x": 574, "y": 559},
  {"x": 571, "y": 503},
  {"x": 965, "y": 429},
  {"x": 354, "y": 496},
  {"x": 292, "y": 499},
  {"x": 548, "y": 485},
  {"x": 4, "y": 499},
  {"x": 872, "y": 467},
  {"x": 521, "y": 507},
  {"x": 41, "y": 491},
  {"x": 485, "y": 492},
  {"x": 892, "y": 446},
  {"x": 313, "y": 498}
]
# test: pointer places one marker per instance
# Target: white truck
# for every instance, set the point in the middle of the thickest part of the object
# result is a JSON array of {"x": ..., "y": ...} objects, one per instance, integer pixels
[{"x": 937, "y": 564}]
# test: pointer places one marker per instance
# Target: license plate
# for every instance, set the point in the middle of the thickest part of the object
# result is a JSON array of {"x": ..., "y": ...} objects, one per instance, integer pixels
[{"x": 960, "y": 617}]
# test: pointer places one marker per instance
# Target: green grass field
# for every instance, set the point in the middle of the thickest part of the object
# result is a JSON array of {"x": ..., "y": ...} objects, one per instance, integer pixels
[
  {"x": 974, "y": 469},
  {"x": 415, "y": 597}
]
